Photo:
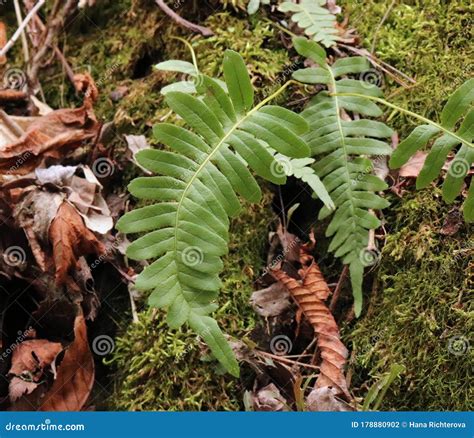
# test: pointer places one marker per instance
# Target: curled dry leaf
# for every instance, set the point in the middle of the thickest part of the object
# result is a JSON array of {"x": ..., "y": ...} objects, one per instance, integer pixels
[
  {"x": 70, "y": 239},
  {"x": 309, "y": 294},
  {"x": 30, "y": 361},
  {"x": 51, "y": 135},
  {"x": 75, "y": 376}
]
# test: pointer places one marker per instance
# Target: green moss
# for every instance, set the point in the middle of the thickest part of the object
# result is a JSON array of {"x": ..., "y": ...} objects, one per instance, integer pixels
[
  {"x": 423, "y": 316},
  {"x": 160, "y": 369},
  {"x": 427, "y": 40},
  {"x": 421, "y": 310}
]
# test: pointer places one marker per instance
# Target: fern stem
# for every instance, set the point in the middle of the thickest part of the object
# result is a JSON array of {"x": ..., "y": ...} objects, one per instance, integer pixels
[
  {"x": 190, "y": 47},
  {"x": 409, "y": 113}
]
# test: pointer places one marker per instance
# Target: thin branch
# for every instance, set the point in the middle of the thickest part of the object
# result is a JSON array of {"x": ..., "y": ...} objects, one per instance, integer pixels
[
  {"x": 20, "y": 29},
  {"x": 337, "y": 290},
  {"x": 24, "y": 41},
  {"x": 180, "y": 20},
  {"x": 382, "y": 21}
]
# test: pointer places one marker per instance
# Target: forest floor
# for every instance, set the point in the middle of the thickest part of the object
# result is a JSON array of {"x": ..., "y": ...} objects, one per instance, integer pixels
[{"x": 418, "y": 297}]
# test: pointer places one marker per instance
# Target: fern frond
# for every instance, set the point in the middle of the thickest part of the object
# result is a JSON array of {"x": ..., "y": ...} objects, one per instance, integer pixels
[
  {"x": 197, "y": 191},
  {"x": 311, "y": 15},
  {"x": 458, "y": 112},
  {"x": 343, "y": 146}
]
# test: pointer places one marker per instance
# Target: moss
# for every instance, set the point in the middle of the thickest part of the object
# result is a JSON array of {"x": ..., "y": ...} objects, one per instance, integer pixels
[
  {"x": 423, "y": 315},
  {"x": 160, "y": 369},
  {"x": 428, "y": 41}
]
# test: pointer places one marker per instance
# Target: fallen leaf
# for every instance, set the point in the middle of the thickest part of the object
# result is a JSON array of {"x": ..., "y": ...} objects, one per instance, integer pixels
[
  {"x": 309, "y": 294},
  {"x": 30, "y": 361},
  {"x": 412, "y": 168},
  {"x": 325, "y": 399},
  {"x": 75, "y": 376},
  {"x": 271, "y": 301},
  {"x": 269, "y": 399},
  {"x": 70, "y": 239},
  {"x": 48, "y": 136}
]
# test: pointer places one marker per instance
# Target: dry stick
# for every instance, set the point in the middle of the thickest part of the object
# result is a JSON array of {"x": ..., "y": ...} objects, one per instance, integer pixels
[
  {"x": 22, "y": 26},
  {"x": 337, "y": 290},
  {"x": 180, "y": 20},
  {"x": 387, "y": 68},
  {"x": 67, "y": 68},
  {"x": 288, "y": 361},
  {"x": 382, "y": 21},
  {"x": 24, "y": 41},
  {"x": 51, "y": 32}
]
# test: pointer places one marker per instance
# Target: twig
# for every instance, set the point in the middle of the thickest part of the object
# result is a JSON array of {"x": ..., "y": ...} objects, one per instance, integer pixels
[
  {"x": 337, "y": 290},
  {"x": 382, "y": 21},
  {"x": 20, "y": 29},
  {"x": 288, "y": 361},
  {"x": 180, "y": 20},
  {"x": 24, "y": 41}
]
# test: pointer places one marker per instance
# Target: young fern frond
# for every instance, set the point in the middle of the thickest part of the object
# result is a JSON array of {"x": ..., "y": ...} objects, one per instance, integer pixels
[
  {"x": 311, "y": 15},
  {"x": 343, "y": 146},
  {"x": 197, "y": 188}
]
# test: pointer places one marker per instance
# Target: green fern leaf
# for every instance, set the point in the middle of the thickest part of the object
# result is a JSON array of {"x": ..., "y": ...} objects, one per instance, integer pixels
[
  {"x": 343, "y": 145},
  {"x": 459, "y": 105},
  {"x": 311, "y": 15},
  {"x": 197, "y": 190}
]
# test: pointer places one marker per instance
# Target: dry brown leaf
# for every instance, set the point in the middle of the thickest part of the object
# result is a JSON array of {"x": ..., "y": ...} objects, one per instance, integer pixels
[
  {"x": 70, "y": 239},
  {"x": 412, "y": 168},
  {"x": 49, "y": 136},
  {"x": 30, "y": 360},
  {"x": 310, "y": 294},
  {"x": 75, "y": 376},
  {"x": 271, "y": 301}
]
